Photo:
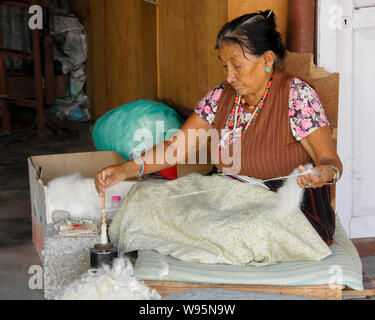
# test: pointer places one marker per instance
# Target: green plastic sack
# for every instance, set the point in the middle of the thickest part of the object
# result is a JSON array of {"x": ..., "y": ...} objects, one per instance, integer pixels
[{"x": 135, "y": 127}]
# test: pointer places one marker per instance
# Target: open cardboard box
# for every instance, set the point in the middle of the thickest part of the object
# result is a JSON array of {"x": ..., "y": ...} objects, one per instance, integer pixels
[{"x": 43, "y": 169}]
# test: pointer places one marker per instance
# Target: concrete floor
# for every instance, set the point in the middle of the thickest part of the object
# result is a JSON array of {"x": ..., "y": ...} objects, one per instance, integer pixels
[{"x": 17, "y": 253}]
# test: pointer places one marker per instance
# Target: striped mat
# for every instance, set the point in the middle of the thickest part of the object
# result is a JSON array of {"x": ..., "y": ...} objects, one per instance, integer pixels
[{"x": 343, "y": 267}]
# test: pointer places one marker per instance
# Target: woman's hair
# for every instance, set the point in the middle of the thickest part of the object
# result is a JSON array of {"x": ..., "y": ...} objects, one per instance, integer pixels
[{"x": 255, "y": 33}]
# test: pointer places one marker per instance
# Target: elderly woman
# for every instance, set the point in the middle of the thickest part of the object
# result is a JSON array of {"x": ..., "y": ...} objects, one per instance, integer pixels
[{"x": 277, "y": 117}]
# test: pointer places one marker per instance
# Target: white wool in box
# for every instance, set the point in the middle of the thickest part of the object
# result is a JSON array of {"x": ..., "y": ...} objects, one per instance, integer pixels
[
  {"x": 75, "y": 195},
  {"x": 106, "y": 283}
]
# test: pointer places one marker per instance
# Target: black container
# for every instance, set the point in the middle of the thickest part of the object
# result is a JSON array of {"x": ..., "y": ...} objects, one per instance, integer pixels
[{"x": 102, "y": 255}]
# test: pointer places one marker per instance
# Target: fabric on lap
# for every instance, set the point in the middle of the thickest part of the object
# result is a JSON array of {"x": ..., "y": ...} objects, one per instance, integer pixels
[
  {"x": 214, "y": 226},
  {"x": 342, "y": 267}
]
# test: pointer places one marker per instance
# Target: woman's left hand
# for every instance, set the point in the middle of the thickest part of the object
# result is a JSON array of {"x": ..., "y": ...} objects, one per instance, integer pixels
[{"x": 321, "y": 175}]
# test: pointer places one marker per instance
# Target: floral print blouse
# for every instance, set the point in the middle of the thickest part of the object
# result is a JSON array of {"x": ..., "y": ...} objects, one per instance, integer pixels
[{"x": 306, "y": 113}]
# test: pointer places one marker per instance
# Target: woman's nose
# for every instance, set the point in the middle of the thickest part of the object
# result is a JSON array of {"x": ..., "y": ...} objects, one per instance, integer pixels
[{"x": 230, "y": 75}]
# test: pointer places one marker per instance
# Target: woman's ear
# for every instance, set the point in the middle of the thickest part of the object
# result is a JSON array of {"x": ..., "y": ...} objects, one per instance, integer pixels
[{"x": 269, "y": 58}]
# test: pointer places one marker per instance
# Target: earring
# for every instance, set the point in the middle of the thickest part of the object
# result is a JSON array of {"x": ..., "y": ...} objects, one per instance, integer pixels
[{"x": 268, "y": 69}]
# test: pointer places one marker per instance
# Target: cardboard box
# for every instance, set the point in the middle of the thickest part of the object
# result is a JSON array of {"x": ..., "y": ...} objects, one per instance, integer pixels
[
  {"x": 65, "y": 258},
  {"x": 43, "y": 169}
]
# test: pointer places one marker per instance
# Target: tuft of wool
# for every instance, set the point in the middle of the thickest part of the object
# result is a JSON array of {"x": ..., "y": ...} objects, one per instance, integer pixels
[
  {"x": 106, "y": 283},
  {"x": 290, "y": 195},
  {"x": 75, "y": 195},
  {"x": 164, "y": 270}
]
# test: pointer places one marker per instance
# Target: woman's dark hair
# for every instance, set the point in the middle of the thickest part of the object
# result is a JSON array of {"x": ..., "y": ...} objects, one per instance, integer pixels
[{"x": 255, "y": 33}]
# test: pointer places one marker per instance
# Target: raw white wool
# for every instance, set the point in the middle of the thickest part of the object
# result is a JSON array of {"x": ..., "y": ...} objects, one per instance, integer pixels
[
  {"x": 75, "y": 195},
  {"x": 164, "y": 270},
  {"x": 290, "y": 196},
  {"x": 106, "y": 283}
]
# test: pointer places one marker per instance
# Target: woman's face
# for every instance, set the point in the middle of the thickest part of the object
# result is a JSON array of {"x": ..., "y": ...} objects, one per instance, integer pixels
[{"x": 247, "y": 74}]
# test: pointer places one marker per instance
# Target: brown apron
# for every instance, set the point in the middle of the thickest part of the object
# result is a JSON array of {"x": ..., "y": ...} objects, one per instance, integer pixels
[{"x": 269, "y": 150}]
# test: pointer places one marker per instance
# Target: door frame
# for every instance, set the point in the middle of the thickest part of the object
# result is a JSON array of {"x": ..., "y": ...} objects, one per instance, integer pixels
[
  {"x": 335, "y": 34},
  {"x": 338, "y": 21}
]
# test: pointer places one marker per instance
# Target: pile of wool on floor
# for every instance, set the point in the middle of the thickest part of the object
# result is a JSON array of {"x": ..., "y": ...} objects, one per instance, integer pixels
[{"x": 106, "y": 283}]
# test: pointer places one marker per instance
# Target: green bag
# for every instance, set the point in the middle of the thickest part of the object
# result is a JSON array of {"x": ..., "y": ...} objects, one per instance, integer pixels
[{"x": 135, "y": 127}]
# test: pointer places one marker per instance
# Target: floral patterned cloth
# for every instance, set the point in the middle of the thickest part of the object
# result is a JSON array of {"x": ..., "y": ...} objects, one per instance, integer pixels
[
  {"x": 211, "y": 219},
  {"x": 305, "y": 110}
]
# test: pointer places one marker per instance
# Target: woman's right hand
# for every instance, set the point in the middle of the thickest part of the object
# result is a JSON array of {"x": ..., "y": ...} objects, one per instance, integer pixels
[{"x": 109, "y": 177}]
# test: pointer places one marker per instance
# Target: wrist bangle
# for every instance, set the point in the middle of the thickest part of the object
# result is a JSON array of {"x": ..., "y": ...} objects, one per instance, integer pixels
[
  {"x": 336, "y": 177},
  {"x": 142, "y": 164}
]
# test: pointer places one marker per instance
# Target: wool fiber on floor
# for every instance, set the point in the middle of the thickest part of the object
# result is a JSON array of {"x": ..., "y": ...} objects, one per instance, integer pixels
[{"x": 106, "y": 283}]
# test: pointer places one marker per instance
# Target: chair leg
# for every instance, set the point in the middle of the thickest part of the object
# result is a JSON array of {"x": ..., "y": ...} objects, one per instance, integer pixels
[
  {"x": 6, "y": 126},
  {"x": 40, "y": 116},
  {"x": 49, "y": 71}
]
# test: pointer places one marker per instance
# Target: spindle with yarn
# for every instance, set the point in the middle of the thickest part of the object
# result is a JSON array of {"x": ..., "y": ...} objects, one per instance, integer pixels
[{"x": 103, "y": 252}]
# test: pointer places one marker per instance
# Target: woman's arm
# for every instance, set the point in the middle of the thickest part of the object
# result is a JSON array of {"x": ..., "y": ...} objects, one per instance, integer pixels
[
  {"x": 155, "y": 158},
  {"x": 320, "y": 146}
]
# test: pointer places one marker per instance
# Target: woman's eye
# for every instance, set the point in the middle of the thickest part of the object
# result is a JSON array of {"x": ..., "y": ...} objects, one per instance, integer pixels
[{"x": 237, "y": 67}]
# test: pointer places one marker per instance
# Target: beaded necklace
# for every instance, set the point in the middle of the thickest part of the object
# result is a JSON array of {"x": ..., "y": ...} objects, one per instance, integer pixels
[
  {"x": 258, "y": 106},
  {"x": 234, "y": 132}
]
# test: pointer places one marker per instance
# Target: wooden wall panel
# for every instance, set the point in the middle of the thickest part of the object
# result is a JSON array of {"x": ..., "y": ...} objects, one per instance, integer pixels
[
  {"x": 96, "y": 65},
  {"x": 237, "y": 8},
  {"x": 124, "y": 65},
  {"x": 121, "y": 51},
  {"x": 131, "y": 50},
  {"x": 81, "y": 8},
  {"x": 149, "y": 54},
  {"x": 187, "y": 62}
]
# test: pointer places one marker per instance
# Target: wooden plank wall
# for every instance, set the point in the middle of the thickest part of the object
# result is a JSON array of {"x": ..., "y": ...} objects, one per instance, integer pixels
[
  {"x": 97, "y": 71},
  {"x": 237, "y": 8},
  {"x": 187, "y": 62},
  {"x": 131, "y": 51},
  {"x": 139, "y": 52},
  {"x": 122, "y": 51}
]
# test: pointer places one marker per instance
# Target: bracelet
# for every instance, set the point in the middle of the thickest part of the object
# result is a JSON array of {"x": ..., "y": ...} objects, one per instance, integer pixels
[
  {"x": 336, "y": 177},
  {"x": 134, "y": 156}
]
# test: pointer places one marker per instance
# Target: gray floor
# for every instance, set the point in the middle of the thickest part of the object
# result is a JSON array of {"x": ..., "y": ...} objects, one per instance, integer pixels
[{"x": 17, "y": 253}]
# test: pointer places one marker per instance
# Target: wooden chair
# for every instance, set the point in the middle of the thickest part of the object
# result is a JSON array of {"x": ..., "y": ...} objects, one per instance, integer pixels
[{"x": 44, "y": 88}]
